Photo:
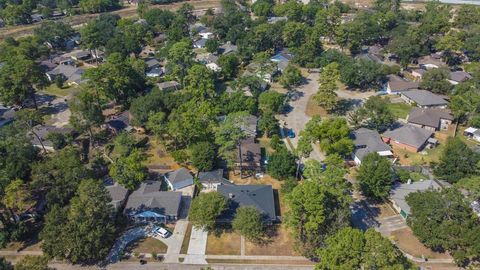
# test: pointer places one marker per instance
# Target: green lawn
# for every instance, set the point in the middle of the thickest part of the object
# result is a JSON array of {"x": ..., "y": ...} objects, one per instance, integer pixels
[
  {"x": 400, "y": 110},
  {"x": 61, "y": 92}
]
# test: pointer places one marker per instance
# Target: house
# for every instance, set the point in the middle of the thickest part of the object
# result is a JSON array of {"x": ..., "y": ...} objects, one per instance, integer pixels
[
  {"x": 119, "y": 123},
  {"x": 178, "y": 179},
  {"x": 264, "y": 71},
  {"x": 153, "y": 68},
  {"x": 258, "y": 196},
  {"x": 273, "y": 20},
  {"x": 249, "y": 155},
  {"x": 39, "y": 136},
  {"x": 431, "y": 61},
  {"x": 169, "y": 85},
  {"x": 367, "y": 141},
  {"x": 206, "y": 58},
  {"x": 118, "y": 193},
  {"x": 81, "y": 55},
  {"x": 227, "y": 48},
  {"x": 430, "y": 118},
  {"x": 149, "y": 204},
  {"x": 212, "y": 179},
  {"x": 424, "y": 99},
  {"x": 7, "y": 115},
  {"x": 282, "y": 59},
  {"x": 400, "y": 191},
  {"x": 72, "y": 75},
  {"x": 200, "y": 43},
  {"x": 213, "y": 67},
  {"x": 249, "y": 125},
  {"x": 473, "y": 133},
  {"x": 48, "y": 65},
  {"x": 206, "y": 34},
  {"x": 418, "y": 73},
  {"x": 396, "y": 84},
  {"x": 457, "y": 77},
  {"x": 409, "y": 137}
]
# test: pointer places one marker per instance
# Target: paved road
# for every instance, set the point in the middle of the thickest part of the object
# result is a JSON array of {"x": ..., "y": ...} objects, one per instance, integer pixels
[
  {"x": 164, "y": 266},
  {"x": 296, "y": 119}
]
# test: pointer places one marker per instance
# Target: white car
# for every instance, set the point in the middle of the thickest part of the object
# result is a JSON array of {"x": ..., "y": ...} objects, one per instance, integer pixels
[{"x": 163, "y": 232}]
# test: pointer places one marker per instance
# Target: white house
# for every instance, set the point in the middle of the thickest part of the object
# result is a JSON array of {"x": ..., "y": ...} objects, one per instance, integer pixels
[
  {"x": 473, "y": 133},
  {"x": 212, "y": 180}
]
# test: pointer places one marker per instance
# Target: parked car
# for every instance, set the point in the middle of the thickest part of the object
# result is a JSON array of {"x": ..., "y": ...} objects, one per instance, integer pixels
[
  {"x": 291, "y": 133},
  {"x": 162, "y": 232},
  {"x": 142, "y": 262}
]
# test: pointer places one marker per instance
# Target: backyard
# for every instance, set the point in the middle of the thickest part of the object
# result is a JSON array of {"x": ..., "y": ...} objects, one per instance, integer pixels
[
  {"x": 400, "y": 110},
  {"x": 421, "y": 158}
]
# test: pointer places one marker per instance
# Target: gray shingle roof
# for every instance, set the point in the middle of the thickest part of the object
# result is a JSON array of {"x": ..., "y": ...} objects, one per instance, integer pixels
[
  {"x": 397, "y": 83},
  {"x": 428, "y": 117},
  {"x": 367, "y": 141},
  {"x": 460, "y": 76},
  {"x": 179, "y": 176},
  {"x": 257, "y": 196},
  {"x": 44, "y": 131},
  {"x": 410, "y": 135},
  {"x": 213, "y": 177},
  {"x": 116, "y": 191},
  {"x": 168, "y": 85},
  {"x": 425, "y": 98},
  {"x": 400, "y": 191},
  {"x": 149, "y": 198}
]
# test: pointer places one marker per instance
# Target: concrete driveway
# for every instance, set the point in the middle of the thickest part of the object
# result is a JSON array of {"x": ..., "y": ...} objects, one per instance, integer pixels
[
  {"x": 175, "y": 242},
  {"x": 197, "y": 247}
]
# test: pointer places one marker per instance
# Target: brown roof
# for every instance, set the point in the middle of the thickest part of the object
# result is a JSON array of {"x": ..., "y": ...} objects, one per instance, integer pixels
[{"x": 397, "y": 83}]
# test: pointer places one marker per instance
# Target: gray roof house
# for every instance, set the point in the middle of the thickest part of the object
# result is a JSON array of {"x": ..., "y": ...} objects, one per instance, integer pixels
[
  {"x": 367, "y": 141},
  {"x": 257, "y": 196},
  {"x": 457, "y": 77},
  {"x": 73, "y": 75},
  {"x": 212, "y": 179},
  {"x": 169, "y": 85},
  {"x": 400, "y": 191},
  {"x": 408, "y": 137},
  {"x": 7, "y": 115},
  {"x": 249, "y": 125},
  {"x": 118, "y": 193},
  {"x": 227, "y": 48},
  {"x": 179, "y": 179},
  {"x": 430, "y": 118},
  {"x": 120, "y": 123},
  {"x": 396, "y": 84},
  {"x": 424, "y": 99},
  {"x": 200, "y": 43},
  {"x": 43, "y": 131},
  {"x": 149, "y": 204}
]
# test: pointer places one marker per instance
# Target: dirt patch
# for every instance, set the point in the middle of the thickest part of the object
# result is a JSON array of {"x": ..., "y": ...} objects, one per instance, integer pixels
[
  {"x": 408, "y": 242},
  {"x": 158, "y": 158},
  {"x": 279, "y": 244},
  {"x": 223, "y": 243},
  {"x": 382, "y": 210},
  {"x": 186, "y": 239},
  {"x": 313, "y": 108}
]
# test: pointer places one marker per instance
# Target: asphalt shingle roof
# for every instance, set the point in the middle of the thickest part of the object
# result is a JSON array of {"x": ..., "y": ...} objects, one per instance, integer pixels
[
  {"x": 149, "y": 198},
  {"x": 400, "y": 191},
  {"x": 212, "y": 177},
  {"x": 428, "y": 117},
  {"x": 257, "y": 196},
  {"x": 425, "y": 98},
  {"x": 179, "y": 176},
  {"x": 409, "y": 135},
  {"x": 367, "y": 141}
]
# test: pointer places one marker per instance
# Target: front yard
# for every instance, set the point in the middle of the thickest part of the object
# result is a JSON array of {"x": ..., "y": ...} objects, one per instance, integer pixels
[
  {"x": 280, "y": 243},
  {"x": 223, "y": 242},
  {"x": 147, "y": 245},
  {"x": 408, "y": 242}
]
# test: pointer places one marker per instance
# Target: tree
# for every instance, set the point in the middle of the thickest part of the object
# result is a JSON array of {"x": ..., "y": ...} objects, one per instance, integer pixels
[
  {"x": 332, "y": 133},
  {"x": 376, "y": 113},
  {"x": 229, "y": 65},
  {"x": 375, "y": 176},
  {"x": 92, "y": 6},
  {"x": 120, "y": 79},
  {"x": 129, "y": 170},
  {"x": 228, "y": 135},
  {"x": 291, "y": 76},
  {"x": 315, "y": 213},
  {"x": 69, "y": 235},
  {"x": 352, "y": 249},
  {"x": 205, "y": 209},
  {"x": 326, "y": 96},
  {"x": 55, "y": 33},
  {"x": 262, "y": 8},
  {"x": 248, "y": 222},
  {"x": 58, "y": 176},
  {"x": 125, "y": 143},
  {"x": 199, "y": 82},
  {"x": 33, "y": 263},
  {"x": 98, "y": 32},
  {"x": 5, "y": 265},
  {"x": 444, "y": 221},
  {"x": 86, "y": 114},
  {"x": 268, "y": 124},
  {"x": 180, "y": 57},
  {"x": 281, "y": 164},
  {"x": 59, "y": 140},
  {"x": 457, "y": 161},
  {"x": 17, "y": 197},
  {"x": 212, "y": 45},
  {"x": 271, "y": 102},
  {"x": 362, "y": 73},
  {"x": 203, "y": 156},
  {"x": 294, "y": 34},
  {"x": 31, "y": 118},
  {"x": 143, "y": 107},
  {"x": 435, "y": 80}
]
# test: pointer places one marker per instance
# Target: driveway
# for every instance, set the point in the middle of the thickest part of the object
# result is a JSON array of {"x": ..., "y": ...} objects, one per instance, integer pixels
[
  {"x": 175, "y": 242},
  {"x": 197, "y": 247},
  {"x": 296, "y": 118}
]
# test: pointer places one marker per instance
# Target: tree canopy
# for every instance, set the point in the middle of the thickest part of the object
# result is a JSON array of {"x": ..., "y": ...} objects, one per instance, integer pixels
[{"x": 205, "y": 209}]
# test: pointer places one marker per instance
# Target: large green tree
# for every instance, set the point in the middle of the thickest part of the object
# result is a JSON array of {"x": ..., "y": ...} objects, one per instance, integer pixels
[
  {"x": 326, "y": 96},
  {"x": 203, "y": 155},
  {"x": 375, "y": 176},
  {"x": 248, "y": 222},
  {"x": 457, "y": 161},
  {"x": 281, "y": 164},
  {"x": 205, "y": 209},
  {"x": 129, "y": 170},
  {"x": 435, "y": 80}
]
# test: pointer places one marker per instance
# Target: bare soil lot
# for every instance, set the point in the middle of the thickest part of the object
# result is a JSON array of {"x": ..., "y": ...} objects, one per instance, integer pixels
[
  {"x": 223, "y": 243},
  {"x": 280, "y": 244},
  {"x": 408, "y": 242}
]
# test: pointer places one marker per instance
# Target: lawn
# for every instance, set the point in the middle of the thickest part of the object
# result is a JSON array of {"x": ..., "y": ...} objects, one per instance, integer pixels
[
  {"x": 147, "y": 245},
  {"x": 186, "y": 239},
  {"x": 61, "y": 92},
  {"x": 313, "y": 109},
  {"x": 408, "y": 242},
  {"x": 158, "y": 157},
  {"x": 400, "y": 110},
  {"x": 224, "y": 242},
  {"x": 422, "y": 158},
  {"x": 280, "y": 243}
]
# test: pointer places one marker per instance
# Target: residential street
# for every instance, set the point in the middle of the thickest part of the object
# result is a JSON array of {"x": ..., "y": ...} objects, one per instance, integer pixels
[{"x": 165, "y": 266}]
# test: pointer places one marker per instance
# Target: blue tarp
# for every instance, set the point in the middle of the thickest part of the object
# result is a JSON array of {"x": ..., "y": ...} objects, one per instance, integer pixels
[{"x": 149, "y": 214}]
